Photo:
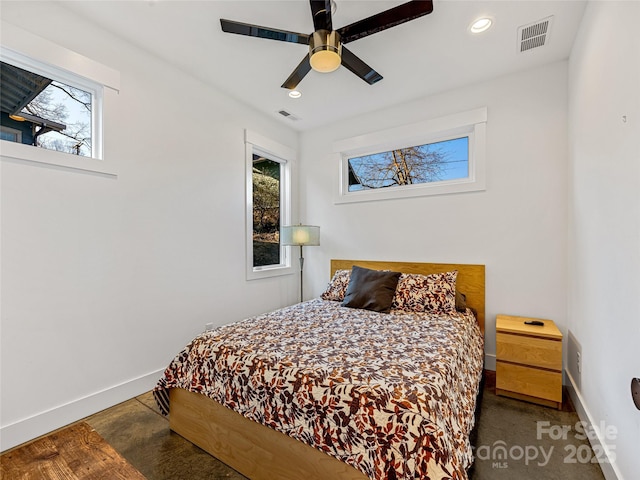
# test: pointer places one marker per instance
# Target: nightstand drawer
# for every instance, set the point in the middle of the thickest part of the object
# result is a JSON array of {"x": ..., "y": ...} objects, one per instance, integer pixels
[
  {"x": 535, "y": 382},
  {"x": 537, "y": 352}
]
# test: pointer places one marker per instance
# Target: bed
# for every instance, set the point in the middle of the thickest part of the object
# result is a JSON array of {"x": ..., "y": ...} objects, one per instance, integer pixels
[{"x": 326, "y": 411}]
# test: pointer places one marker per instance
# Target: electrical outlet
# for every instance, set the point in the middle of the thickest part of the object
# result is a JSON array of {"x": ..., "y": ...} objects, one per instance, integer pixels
[{"x": 574, "y": 360}]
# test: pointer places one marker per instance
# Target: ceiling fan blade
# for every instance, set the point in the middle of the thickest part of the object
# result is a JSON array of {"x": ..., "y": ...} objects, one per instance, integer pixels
[
  {"x": 240, "y": 28},
  {"x": 298, "y": 74},
  {"x": 387, "y": 19},
  {"x": 357, "y": 66},
  {"x": 321, "y": 12}
]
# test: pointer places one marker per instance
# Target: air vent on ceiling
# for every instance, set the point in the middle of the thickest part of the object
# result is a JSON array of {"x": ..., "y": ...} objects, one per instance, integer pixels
[
  {"x": 288, "y": 115},
  {"x": 534, "y": 35}
]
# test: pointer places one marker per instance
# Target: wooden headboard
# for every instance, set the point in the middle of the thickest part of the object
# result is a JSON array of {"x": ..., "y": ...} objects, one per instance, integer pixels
[{"x": 470, "y": 280}]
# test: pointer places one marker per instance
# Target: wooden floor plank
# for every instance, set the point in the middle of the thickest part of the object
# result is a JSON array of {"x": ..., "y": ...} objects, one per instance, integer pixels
[{"x": 74, "y": 453}]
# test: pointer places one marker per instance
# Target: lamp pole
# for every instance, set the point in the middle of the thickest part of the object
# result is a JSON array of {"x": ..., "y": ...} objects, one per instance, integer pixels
[{"x": 301, "y": 276}]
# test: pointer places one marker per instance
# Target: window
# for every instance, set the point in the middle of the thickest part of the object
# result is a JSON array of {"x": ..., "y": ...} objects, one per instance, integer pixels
[
  {"x": 53, "y": 98},
  {"x": 268, "y": 186},
  {"x": 266, "y": 211},
  {"x": 10, "y": 134},
  {"x": 50, "y": 114},
  {"x": 443, "y": 155},
  {"x": 431, "y": 162}
]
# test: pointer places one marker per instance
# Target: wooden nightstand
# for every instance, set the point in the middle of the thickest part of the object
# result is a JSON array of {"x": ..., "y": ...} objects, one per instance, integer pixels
[{"x": 529, "y": 360}]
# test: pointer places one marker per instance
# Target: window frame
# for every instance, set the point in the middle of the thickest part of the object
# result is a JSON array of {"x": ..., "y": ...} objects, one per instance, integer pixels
[
  {"x": 471, "y": 124},
  {"x": 259, "y": 145},
  {"x": 30, "y": 52}
]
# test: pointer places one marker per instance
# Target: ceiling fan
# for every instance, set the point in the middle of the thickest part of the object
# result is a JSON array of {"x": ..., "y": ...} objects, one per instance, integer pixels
[{"x": 326, "y": 45}]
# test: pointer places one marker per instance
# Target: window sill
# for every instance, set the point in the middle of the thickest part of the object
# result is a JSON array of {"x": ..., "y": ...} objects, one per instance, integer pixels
[
  {"x": 268, "y": 272},
  {"x": 36, "y": 155},
  {"x": 411, "y": 191}
]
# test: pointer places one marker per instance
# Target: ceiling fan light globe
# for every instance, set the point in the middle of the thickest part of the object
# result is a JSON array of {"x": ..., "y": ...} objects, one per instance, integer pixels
[
  {"x": 324, "y": 51},
  {"x": 325, "y": 61}
]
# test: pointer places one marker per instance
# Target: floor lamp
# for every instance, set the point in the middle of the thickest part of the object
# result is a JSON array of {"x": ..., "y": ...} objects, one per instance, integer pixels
[{"x": 301, "y": 236}]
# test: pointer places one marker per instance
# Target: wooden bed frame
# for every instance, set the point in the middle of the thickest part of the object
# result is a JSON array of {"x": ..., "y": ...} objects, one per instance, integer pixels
[{"x": 261, "y": 453}]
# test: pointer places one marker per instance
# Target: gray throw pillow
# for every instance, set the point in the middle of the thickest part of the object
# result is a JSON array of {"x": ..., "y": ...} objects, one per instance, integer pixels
[{"x": 371, "y": 289}]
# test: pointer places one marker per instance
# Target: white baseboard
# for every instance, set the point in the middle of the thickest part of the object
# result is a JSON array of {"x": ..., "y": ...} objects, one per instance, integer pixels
[
  {"x": 609, "y": 468},
  {"x": 490, "y": 362},
  {"x": 42, "y": 423}
]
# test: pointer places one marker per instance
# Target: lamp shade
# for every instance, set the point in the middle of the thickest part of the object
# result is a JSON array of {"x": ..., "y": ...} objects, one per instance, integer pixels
[{"x": 300, "y": 235}]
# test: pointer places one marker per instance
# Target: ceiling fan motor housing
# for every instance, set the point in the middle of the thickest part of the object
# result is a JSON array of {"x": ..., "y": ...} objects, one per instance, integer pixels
[{"x": 325, "y": 50}]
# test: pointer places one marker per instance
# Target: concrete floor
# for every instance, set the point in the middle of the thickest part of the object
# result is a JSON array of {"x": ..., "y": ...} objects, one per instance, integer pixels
[{"x": 516, "y": 440}]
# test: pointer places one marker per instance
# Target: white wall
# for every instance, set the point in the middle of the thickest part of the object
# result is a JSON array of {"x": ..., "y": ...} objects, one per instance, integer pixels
[
  {"x": 517, "y": 227},
  {"x": 604, "y": 246},
  {"x": 105, "y": 280}
]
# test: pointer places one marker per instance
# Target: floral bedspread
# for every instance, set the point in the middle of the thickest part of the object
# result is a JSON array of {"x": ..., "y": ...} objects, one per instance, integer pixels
[{"x": 391, "y": 394}]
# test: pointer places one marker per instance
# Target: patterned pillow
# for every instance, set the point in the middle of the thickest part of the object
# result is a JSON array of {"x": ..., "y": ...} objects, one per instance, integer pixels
[
  {"x": 337, "y": 286},
  {"x": 434, "y": 293}
]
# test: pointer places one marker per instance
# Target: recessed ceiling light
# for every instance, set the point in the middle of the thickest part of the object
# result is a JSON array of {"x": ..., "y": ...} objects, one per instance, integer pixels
[
  {"x": 481, "y": 25},
  {"x": 295, "y": 94}
]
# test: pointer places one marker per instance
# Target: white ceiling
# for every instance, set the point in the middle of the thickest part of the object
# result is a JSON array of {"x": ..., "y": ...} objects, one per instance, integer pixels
[{"x": 432, "y": 54}]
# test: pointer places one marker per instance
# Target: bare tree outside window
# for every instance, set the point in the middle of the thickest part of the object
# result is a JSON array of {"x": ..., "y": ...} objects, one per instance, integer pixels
[
  {"x": 432, "y": 162},
  {"x": 67, "y": 105}
]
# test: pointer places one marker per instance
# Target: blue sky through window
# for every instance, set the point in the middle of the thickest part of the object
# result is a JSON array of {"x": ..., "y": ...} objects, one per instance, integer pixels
[{"x": 434, "y": 162}]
